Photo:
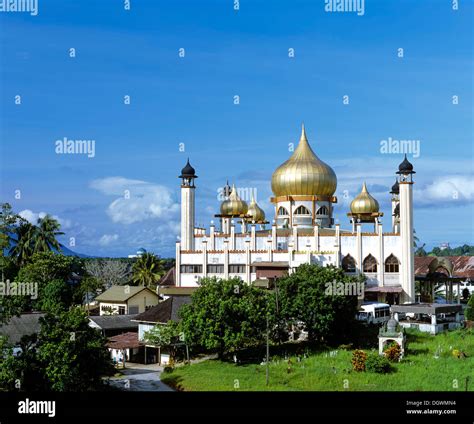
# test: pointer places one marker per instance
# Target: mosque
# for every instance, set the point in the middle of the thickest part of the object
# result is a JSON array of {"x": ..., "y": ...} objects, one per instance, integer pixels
[{"x": 301, "y": 231}]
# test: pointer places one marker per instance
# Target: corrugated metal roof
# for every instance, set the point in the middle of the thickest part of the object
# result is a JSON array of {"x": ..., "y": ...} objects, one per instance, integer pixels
[
  {"x": 463, "y": 266},
  {"x": 115, "y": 322},
  {"x": 24, "y": 325}
]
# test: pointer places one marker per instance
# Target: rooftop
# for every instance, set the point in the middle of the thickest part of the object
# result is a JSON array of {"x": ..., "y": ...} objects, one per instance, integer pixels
[
  {"x": 24, "y": 325},
  {"x": 165, "y": 311},
  {"x": 121, "y": 293}
]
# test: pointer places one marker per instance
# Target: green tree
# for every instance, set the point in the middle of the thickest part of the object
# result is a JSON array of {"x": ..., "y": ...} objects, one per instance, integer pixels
[
  {"x": 8, "y": 220},
  {"x": 469, "y": 313},
  {"x": 303, "y": 299},
  {"x": 46, "y": 232},
  {"x": 226, "y": 315},
  {"x": 73, "y": 354},
  {"x": 23, "y": 247},
  {"x": 56, "y": 297},
  {"x": 164, "y": 335},
  {"x": 148, "y": 270},
  {"x": 23, "y": 371}
]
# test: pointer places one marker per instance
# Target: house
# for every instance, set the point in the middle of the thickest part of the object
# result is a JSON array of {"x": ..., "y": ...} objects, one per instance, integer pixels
[
  {"x": 160, "y": 314},
  {"x": 113, "y": 325},
  {"x": 125, "y": 300},
  {"x": 17, "y": 327},
  {"x": 125, "y": 348}
]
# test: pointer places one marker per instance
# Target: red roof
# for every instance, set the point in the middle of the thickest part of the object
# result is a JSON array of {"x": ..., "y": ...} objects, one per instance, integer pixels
[
  {"x": 124, "y": 341},
  {"x": 463, "y": 266}
]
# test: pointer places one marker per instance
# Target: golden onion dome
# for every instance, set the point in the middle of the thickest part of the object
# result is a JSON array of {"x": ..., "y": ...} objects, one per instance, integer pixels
[
  {"x": 256, "y": 212},
  {"x": 364, "y": 203},
  {"x": 304, "y": 174},
  {"x": 234, "y": 205}
]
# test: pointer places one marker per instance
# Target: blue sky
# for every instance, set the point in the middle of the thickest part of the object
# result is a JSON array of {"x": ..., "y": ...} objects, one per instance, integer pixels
[{"x": 190, "y": 100}]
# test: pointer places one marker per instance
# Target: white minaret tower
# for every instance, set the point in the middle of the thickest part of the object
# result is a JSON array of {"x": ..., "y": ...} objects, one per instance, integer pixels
[
  {"x": 395, "y": 192},
  {"x": 407, "y": 262},
  {"x": 188, "y": 174}
]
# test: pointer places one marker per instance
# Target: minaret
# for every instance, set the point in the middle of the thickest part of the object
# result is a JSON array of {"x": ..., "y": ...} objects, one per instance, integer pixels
[
  {"x": 188, "y": 174},
  {"x": 407, "y": 262},
  {"x": 395, "y": 192}
]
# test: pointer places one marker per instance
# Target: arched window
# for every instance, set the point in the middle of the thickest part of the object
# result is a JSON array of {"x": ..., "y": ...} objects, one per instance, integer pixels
[
  {"x": 301, "y": 210},
  {"x": 282, "y": 211},
  {"x": 323, "y": 210},
  {"x": 349, "y": 264},
  {"x": 392, "y": 264},
  {"x": 370, "y": 264}
]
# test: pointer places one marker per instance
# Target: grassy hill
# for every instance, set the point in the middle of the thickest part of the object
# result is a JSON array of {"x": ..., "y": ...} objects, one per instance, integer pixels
[{"x": 429, "y": 365}]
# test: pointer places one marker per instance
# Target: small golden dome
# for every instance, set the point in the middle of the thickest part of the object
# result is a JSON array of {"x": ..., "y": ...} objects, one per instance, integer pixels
[
  {"x": 256, "y": 212},
  {"x": 364, "y": 203},
  {"x": 304, "y": 174},
  {"x": 234, "y": 205}
]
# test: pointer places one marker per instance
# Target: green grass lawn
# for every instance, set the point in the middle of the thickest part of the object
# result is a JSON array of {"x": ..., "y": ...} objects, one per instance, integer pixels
[{"x": 418, "y": 371}]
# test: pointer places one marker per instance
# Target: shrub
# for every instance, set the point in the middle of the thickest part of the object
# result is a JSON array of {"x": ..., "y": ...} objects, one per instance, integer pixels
[
  {"x": 393, "y": 352},
  {"x": 359, "y": 358},
  {"x": 469, "y": 314},
  {"x": 377, "y": 363}
]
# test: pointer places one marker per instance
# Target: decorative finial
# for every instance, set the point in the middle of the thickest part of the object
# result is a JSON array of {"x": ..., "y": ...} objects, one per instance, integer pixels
[{"x": 303, "y": 133}]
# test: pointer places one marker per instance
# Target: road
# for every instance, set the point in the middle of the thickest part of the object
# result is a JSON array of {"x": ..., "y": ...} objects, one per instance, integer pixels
[{"x": 140, "y": 378}]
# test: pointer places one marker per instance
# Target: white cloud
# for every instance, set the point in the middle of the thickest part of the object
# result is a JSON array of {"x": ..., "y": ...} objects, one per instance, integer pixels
[
  {"x": 138, "y": 201},
  {"x": 446, "y": 191},
  {"x": 33, "y": 217},
  {"x": 107, "y": 239}
]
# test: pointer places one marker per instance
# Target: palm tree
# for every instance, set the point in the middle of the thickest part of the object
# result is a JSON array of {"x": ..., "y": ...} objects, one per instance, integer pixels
[
  {"x": 147, "y": 270},
  {"x": 24, "y": 242},
  {"x": 45, "y": 235}
]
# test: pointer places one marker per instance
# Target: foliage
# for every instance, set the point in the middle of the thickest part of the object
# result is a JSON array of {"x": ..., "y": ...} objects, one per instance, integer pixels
[
  {"x": 108, "y": 272},
  {"x": 67, "y": 355},
  {"x": 8, "y": 220},
  {"x": 302, "y": 298},
  {"x": 42, "y": 269},
  {"x": 358, "y": 360},
  {"x": 469, "y": 312},
  {"x": 28, "y": 239},
  {"x": 56, "y": 297},
  {"x": 393, "y": 352},
  {"x": 226, "y": 315},
  {"x": 148, "y": 270},
  {"x": 164, "y": 335},
  {"x": 377, "y": 363},
  {"x": 73, "y": 354},
  {"x": 319, "y": 371}
]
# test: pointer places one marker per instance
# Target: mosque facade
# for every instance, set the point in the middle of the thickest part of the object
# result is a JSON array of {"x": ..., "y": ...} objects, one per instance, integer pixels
[{"x": 303, "y": 230}]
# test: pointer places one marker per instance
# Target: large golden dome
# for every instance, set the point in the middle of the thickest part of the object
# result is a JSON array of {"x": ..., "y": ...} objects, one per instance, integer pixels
[
  {"x": 234, "y": 205},
  {"x": 256, "y": 212},
  {"x": 364, "y": 203},
  {"x": 304, "y": 174}
]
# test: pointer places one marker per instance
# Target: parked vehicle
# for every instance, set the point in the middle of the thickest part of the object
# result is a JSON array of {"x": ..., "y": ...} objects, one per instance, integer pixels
[{"x": 374, "y": 313}]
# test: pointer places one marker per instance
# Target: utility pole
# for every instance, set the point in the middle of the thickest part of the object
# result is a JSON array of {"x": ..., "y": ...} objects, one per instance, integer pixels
[{"x": 268, "y": 353}]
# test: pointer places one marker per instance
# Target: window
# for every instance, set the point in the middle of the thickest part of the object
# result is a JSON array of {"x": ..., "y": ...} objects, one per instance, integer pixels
[
  {"x": 133, "y": 309},
  {"x": 392, "y": 264},
  {"x": 301, "y": 210},
  {"x": 191, "y": 269},
  {"x": 349, "y": 264},
  {"x": 282, "y": 211},
  {"x": 323, "y": 210},
  {"x": 237, "y": 269},
  {"x": 121, "y": 310},
  {"x": 370, "y": 264},
  {"x": 215, "y": 269}
]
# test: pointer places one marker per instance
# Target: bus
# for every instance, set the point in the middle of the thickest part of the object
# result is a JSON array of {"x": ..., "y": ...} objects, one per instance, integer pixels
[{"x": 374, "y": 313}]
